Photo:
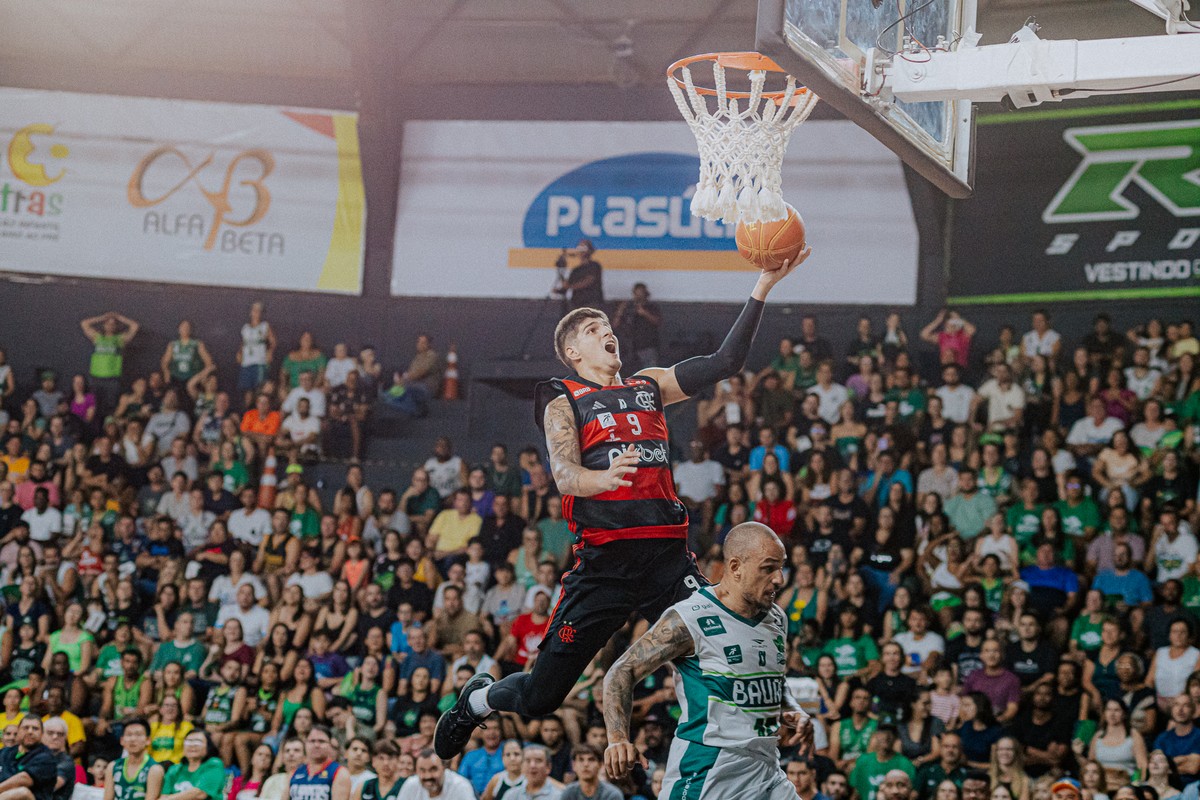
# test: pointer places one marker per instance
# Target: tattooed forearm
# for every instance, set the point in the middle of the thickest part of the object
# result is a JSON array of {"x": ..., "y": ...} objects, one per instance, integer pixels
[
  {"x": 667, "y": 640},
  {"x": 618, "y": 703},
  {"x": 562, "y": 442}
]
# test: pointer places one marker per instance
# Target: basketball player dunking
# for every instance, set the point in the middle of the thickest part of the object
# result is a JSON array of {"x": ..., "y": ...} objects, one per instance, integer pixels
[{"x": 608, "y": 446}]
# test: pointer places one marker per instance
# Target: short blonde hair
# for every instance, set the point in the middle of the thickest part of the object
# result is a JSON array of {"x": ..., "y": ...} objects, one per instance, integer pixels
[{"x": 569, "y": 325}]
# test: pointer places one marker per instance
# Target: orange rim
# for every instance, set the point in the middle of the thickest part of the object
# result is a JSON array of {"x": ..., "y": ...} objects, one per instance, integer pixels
[{"x": 745, "y": 61}]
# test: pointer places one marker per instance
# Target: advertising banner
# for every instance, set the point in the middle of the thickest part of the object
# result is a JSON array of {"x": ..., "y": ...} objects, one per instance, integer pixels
[
  {"x": 180, "y": 192},
  {"x": 1082, "y": 203},
  {"x": 485, "y": 209}
]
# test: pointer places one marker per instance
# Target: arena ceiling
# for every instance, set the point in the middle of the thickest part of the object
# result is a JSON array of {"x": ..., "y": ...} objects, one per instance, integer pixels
[{"x": 626, "y": 42}]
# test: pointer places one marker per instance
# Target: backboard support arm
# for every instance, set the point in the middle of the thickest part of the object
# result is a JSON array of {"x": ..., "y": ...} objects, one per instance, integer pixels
[{"x": 1029, "y": 71}]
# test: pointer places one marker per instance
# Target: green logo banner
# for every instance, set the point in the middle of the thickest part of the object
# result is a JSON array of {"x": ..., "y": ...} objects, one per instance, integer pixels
[
  {"x": 1086, "y": 204},
  {"x": 1163, "y": 158}
]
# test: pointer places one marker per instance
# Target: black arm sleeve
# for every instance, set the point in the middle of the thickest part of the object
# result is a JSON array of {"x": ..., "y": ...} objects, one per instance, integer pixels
[{"x": 697, "y": 373}]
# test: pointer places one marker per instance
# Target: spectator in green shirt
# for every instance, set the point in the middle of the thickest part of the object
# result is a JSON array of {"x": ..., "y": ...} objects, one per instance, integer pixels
[
  {"x": 420, "y": 500},
  {"x": 197, "y": 776},
  {"x": 851, "y": 649},
  {"x": 1024, "y": 517},
  {"x": 910, "y": 397},
  {"x": 851, "y": 736},
  {"x": 306, "y": 522},
  {"x": 185, "y": 358},
  {"x": 108, "y": 663},
  {"x": 876, "y": 768},
  {"x": 107, "y": 363},
  {"x": 1191, "y": 589},
  {"x": 235, "y": 476},
  {"x": 183, "y": 648},
  {"x": 786, "y": 363},
  {"x": 305, "y": 358},
  {"x": 969, "y": 509},
  {"x": 1188, "y": 409},
  {"x": 806, "y": 373},
  {"x": 1079, "y": 514},
  {"x": 1085, "y": 630}
]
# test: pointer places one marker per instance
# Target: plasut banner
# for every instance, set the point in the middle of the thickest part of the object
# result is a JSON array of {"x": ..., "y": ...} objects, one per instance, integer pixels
[
  {"x": 485, "y": 209},
  {"x": 1090, "y": 203},
  {"x": 180, "y": 192}
]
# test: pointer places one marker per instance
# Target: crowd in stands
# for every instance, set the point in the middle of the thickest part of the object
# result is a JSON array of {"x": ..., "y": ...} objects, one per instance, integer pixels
[{"x": 993, "y": 579}]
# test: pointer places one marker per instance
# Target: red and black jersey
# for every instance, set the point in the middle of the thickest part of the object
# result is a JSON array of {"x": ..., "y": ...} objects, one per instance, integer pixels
[{"x": 610, "y": 418}]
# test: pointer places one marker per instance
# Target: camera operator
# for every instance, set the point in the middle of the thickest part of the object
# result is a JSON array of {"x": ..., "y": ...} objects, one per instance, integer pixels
[
  {"x": 580, "y": 278},
  {"x": 637, "y": 323}
]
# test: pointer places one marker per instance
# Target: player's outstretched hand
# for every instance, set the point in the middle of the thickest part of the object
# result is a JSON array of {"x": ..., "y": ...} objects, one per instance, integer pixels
[
  {"x": 768, "y": 278},
  {"x": 622, "y": 465},
  {"x": 789, "y": 266},
  {"x": 801, "y": 728},
  {"x": 619, "y": 758}
]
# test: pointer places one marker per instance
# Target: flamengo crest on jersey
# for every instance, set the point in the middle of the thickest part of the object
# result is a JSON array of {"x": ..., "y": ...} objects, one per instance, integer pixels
[
  {"x": 731, "y": 689},
  {"x": 611, "y": 418}
]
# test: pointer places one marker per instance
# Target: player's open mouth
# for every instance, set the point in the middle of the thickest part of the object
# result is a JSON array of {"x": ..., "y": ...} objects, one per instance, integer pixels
[{"x": 610, "y": 347}]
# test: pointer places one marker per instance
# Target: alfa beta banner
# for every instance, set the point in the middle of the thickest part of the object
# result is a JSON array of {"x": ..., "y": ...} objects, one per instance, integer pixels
[
  {"x": 180, "y": 192},
  {"x": 486, "y": 207},
  {"x": 1082, "y": 203}
]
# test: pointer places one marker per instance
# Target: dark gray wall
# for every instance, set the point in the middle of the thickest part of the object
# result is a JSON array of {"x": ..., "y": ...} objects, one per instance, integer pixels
[{"x": 39, "y": 322}]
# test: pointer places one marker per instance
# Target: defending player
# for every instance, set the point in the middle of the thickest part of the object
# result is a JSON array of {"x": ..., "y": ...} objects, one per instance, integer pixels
[
  {"x": 608, "y": 446},
  {"x": 727, "y": 643},
  {"x": 134, "y": 776}
]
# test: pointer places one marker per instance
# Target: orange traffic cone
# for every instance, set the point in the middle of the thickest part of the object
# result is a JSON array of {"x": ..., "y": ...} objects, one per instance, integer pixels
[
  {"x": 450, "y": 378},
  {"x": 266, "y": 486}
]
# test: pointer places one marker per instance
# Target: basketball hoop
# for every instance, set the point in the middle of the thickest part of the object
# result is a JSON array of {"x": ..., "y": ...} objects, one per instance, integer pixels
[{"x": 743, "y": 140}]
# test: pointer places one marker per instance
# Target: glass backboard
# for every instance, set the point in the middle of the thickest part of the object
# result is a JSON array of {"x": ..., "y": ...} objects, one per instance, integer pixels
[{"x": 824, "y": 44}]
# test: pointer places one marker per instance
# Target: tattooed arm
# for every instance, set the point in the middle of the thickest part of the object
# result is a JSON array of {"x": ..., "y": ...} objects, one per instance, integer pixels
[
  {"x": 562, "y": 442},
  {"x": 667, "y": 640}
]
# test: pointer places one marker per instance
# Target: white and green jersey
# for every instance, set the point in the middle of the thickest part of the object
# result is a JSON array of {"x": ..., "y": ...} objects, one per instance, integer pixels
[{"x": 731, "y": 689}]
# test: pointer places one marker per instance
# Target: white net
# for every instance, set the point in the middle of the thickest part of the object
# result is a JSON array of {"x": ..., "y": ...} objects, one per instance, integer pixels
[{"x": 741, "y": 145}]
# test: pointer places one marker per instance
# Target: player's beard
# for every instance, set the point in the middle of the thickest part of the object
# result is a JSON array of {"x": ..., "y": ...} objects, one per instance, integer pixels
[{"x": 760, "y": 603}]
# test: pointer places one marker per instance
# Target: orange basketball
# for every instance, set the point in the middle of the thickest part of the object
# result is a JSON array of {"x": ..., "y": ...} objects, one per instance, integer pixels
[{"x": 768, "y": 244}]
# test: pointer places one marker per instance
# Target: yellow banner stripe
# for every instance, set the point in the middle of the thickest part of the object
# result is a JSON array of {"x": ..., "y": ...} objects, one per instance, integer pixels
[
  {"x": 639, "y": 260},
  {"x": 343, "y": 263}
]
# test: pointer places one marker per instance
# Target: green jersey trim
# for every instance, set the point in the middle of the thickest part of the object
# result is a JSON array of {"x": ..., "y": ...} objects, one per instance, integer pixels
[
  {"x": 694, "y": 767},
  {"x": 751, "y": 709},
  {"x": 752, "y": 622},
  {"x": 739, "y": 675}
]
